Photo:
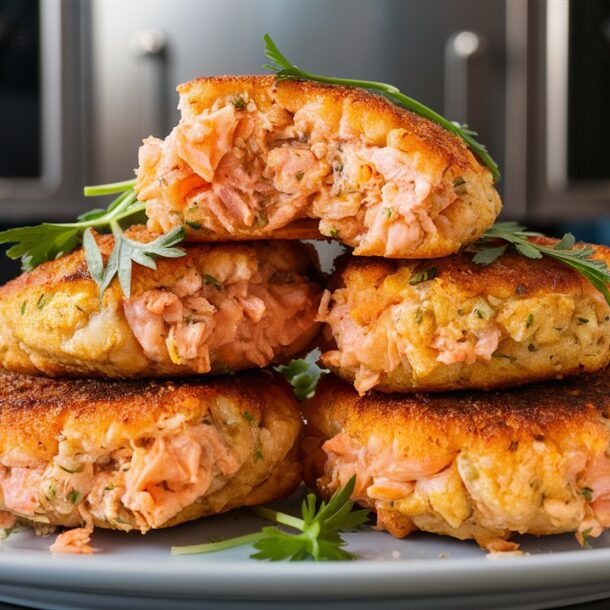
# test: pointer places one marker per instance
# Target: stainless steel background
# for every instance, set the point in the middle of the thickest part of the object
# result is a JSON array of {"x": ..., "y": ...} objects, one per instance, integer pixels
[{"x": 112, "y": 67}]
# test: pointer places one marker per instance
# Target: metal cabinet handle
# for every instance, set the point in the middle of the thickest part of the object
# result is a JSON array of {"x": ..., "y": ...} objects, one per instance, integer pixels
[
  {"x": 148, "y": 43},
  {"x": 150, "y": 47},
  {"x": 460, "y": 49}
]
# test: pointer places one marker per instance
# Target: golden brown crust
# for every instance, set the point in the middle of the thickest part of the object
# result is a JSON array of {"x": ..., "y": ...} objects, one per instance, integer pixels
[
  {"x": 94, "y": 405},
  {"x": 510, "y": 275},
  {"x": 52, "y": 321},
  {"x": 494, "y": 417}
]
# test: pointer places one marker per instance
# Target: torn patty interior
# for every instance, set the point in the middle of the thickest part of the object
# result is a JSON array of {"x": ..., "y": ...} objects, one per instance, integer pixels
[
  {"x": 534, "y": 486},
  {"x": 240, "y": 166},
  {"x": 436, "y": 333},
  {"x": 138, "y": 484},
  {"x": 217, "y": 314}
]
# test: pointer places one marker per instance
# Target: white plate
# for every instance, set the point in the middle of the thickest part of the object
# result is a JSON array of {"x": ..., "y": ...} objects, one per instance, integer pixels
[{"x": 422, "y": 571}]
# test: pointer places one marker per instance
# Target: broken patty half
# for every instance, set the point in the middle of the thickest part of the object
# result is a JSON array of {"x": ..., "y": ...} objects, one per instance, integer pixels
[
  {"x": 405, "y": 326},
  {"x": 221, "y": 307},
  {"x": 257, "y": 158},
  {"x": 480, "y": 465},
  {"x": 139, "y": 455}
]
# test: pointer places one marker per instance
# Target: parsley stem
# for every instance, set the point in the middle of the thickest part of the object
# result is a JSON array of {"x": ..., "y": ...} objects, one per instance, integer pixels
[
  {"x": 212, "y": 547},
  {"x": 278, "y": 517},
  {"x": 108, "y": 189}
]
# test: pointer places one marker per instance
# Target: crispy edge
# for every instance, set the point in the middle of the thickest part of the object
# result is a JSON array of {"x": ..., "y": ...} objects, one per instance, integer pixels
[
  {"x": 497, "y": 418},
  {"x": 511, "y": 274},
  {"x": 35, "y": 411}
]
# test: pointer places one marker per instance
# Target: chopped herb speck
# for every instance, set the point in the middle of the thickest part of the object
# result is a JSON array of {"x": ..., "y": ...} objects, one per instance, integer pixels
[
  {"x": 239, "y": 103},
  {"x": 74, "y": 497},
  {"x": 587, "y": 493},
  {"x": 529, "y": 321},
  {"x": 210, "y": 280},
  {"x": 423, "y": 276}
]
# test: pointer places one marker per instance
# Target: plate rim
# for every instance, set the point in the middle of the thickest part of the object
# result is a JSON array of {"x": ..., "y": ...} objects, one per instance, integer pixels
[{"x": 272, "y": 579}]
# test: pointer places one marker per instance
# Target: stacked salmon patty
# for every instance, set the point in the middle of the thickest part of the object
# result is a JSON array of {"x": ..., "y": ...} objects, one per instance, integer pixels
[{"x": 254, "y": 165}]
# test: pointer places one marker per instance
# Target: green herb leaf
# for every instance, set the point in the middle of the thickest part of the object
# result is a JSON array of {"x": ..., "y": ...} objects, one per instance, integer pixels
[
  {"x": 587, "y": 493},
  {"x": 239, "y": 103},
  {"x": 303, "y": 376},
  {"x": 424, "y": 275},
  {"x": 319, "y": 528},
  {"x": 489, "y": 255},
  {"x": 127, "y": 251},
  {"x": 35, "y": 245},
  {"x": 585, "y": 537},
  {"x": 74, "y": 497},
  {"x": 72, "y": 471},
  {"x": 93, "y": 256},
  {"x": 210, "y": 280},
  {"x": 286, "y": 70},
  {"x": 579, "y": 258}
]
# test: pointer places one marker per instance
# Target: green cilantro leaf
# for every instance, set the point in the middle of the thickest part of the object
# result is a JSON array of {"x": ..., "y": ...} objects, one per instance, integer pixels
[
  {"x": 319, "y": 528},
  {"x": 303, "y": 375}
]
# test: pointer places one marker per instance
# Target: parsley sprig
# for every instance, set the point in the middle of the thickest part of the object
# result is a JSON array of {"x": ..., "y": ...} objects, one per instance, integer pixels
[
  {"x": 303, "y": 375},
  {"x": 47, "y": 241},
  {"x": 285, "y": 70},
  {"x": 319, "y": 529},
  {"x": 565, "y": 251}
]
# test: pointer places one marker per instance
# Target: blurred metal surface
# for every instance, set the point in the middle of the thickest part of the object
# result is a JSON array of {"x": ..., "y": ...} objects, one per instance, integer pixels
[
  {"x": 110, "y": 68},
  {"x": 397, "y": 41}
]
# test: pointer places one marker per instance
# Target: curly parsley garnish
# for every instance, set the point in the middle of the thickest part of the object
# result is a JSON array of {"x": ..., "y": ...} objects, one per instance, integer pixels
[
  {"x": 47, "y": 241},
  {"x": 319, "y": 530},
  {"x": 303, "y": 375},
  {"x": 285, "y": 70},
  {"x": 565, "y": 251}
]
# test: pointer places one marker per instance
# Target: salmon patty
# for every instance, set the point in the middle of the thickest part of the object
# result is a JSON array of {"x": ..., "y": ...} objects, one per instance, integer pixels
[
  {"x": 220, "y": 307},
  {"x": 253, "y": 157},
  {"x": 450, "y": 323},
  {"x": 483, "y": 465},
  {"x": 140, "y": 455}
]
